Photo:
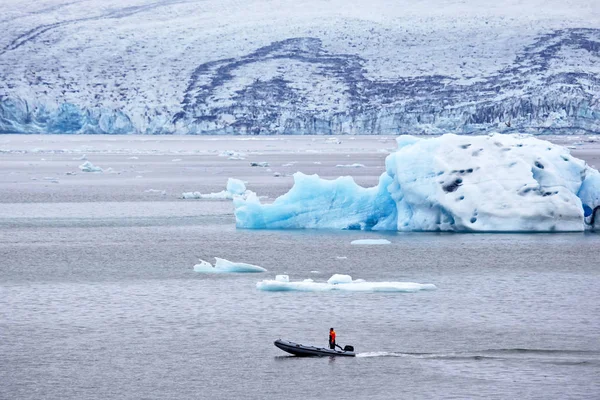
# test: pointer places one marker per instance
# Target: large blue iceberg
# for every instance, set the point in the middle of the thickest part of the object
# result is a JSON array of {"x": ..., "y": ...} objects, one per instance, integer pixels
[{"x": 495, "y": 183}]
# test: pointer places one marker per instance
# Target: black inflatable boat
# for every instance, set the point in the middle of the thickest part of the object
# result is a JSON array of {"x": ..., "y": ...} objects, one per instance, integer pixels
[{"x": 301, "y": 350}]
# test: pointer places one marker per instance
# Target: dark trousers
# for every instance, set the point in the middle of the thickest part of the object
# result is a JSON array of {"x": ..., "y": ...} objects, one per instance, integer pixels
[{"x": 332, "y": 345}]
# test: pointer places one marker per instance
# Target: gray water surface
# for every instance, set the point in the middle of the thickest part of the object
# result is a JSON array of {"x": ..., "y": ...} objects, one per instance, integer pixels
[{"x": 101, "y": 311}]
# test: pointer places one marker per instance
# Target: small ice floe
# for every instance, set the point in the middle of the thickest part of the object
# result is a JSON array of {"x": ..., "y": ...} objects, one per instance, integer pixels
[
  {"x": 259, "y": 164},
  {"x": 355, "y": 165},
  {"x": 89, "y": 167},
  {"x": 291, "y": 164},
  {"x": 51, "y": 179},
  {"x": 232, "y": 155},
  {"x": 226, "y": 266},
  {"x": 162, "y": 192},
  {"x": 370, "y": 241},
  {"x": 341, "y": 257},
  {"x": 333, "y": 140},
  {"x": 176, "y": 159},
  {"x": 235, "y": 187},
  {"x": 82, "y": 158},
  {"x": 317, "y": 162},
  {"x": 70, "y": 173},
  {"x": 314, "y": 272},
  {"x": 340, "y": 282},
  {"x": 133, "y": 158}
]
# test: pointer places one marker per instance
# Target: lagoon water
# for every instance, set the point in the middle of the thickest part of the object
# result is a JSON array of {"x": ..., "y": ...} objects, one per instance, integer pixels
[{"x": 98, "y": 297}]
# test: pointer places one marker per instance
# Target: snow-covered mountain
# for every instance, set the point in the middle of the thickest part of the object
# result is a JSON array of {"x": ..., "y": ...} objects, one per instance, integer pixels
[{"x": 300, "y": 67}]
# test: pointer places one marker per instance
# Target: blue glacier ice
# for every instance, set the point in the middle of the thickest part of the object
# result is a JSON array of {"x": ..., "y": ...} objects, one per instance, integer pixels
[{"x": 494, "y": 183}]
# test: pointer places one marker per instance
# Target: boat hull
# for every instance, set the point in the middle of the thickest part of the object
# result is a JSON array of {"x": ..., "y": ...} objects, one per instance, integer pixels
[{"x": 300, "y": 350}]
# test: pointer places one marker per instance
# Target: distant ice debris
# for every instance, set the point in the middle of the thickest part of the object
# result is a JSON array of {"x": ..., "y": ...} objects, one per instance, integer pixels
[
  {"x": 176, "y": 160},
  {"x": 333, "y": 140},
  {"x": 235, "y": 187},
  {"x": 494, "y": 183},
  {"x": 82, "y": 158},
  {"x": 370, "y": 241},
  {"x": 162, "y": 192},
  {"x": 341, "y": 257},
  {"x": 355, "y": 165},
  {"x": 340, "y": 282},
  {"x": 232, "y": 155},
  {"x": 133, "y": 158},
  {"x": 89, "y": 167},
  {"x": 259, "y": 164},
  {"x": 226, "y": 266},
  {"x": 317, "y": 162}
]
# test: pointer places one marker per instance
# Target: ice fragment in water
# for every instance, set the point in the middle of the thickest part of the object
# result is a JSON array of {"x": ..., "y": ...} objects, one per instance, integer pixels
[{"x": 226, "y": 266}]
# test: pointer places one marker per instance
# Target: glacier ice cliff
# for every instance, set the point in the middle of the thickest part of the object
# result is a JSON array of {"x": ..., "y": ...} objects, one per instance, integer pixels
[
  {"x": 494, "y": 183},
  {"x": 324, "y": 68}
]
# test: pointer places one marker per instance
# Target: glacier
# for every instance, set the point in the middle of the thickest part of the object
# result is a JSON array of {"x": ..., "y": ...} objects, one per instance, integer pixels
[
  {"x": 336, "y": 67},
  {"x": 493, "y": 183},
  {"x": 339, "y": 282}
]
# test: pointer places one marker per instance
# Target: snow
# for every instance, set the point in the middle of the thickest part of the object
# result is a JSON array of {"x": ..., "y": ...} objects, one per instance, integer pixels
[
  {"x": 89, "y": 167},
  {"x": 370, "y": 241},
  {"x": 339, "y": 282},
  {"x": 494, "y": 183},
  {"x": 226, "y": 266}
]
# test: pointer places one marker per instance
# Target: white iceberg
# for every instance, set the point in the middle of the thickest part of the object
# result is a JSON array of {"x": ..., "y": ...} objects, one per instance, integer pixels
[
  {"x": 502, "y": 183},
  {"x": 89, "y": 167},
  {"x": 370, "y": 241},
  {"x": 281, "y": 283},
  {"x": 235, "y": 187},
  {"x": 226, "y": 266}
]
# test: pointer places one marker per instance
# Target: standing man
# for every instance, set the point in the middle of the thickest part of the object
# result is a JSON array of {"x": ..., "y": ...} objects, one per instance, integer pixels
[{"x": 331, "y": 339}]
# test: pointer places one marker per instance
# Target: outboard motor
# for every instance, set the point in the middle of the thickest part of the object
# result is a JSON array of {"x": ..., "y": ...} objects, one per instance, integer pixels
[{"x": 348, "y": 348}]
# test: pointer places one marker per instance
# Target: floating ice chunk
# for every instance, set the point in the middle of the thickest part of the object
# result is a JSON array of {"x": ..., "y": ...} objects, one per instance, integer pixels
[
  {"x": 236, "y": 186},
  {"x": 341, "y": 257},
  {"x": 495, "y": 183},
  {"x": 176, "y": 159},
  {"x": 133, "y": 158},
  {"x": 162, "y": 192},
  {"x": 282, "y": 278},
  {"x": 317, "y": 162},
  {"x": 89, "y": 167},
  {"x": 82, "y": 158},
  {"x": 341, "y": 283},
  {"x": 224, "y": 266},
  {"x": 204, "y": 266},
  {"x": 233, "y": 155},
  {"x": 333, "y": 140},
  {"x": 370, "y": 241},
  {"x": 339, "y": 278},
  {"x": 355, "y": 165},
  {"x": 291, "y": 164},
  {"x": 259, "y": 164}
]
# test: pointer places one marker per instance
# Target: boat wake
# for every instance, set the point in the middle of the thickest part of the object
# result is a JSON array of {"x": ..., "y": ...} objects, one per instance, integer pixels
[{"x": 543, "y": 355}]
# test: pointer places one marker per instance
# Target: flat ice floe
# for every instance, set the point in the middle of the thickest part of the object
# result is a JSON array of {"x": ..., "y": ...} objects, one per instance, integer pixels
[
  {"x": 235, "y": 187},
  {"x": 226, "y": 266},
  {"x": 494, "y": 183},
  {"x": 340, "y": 282},
  {"x": 370, "y": 241}
]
